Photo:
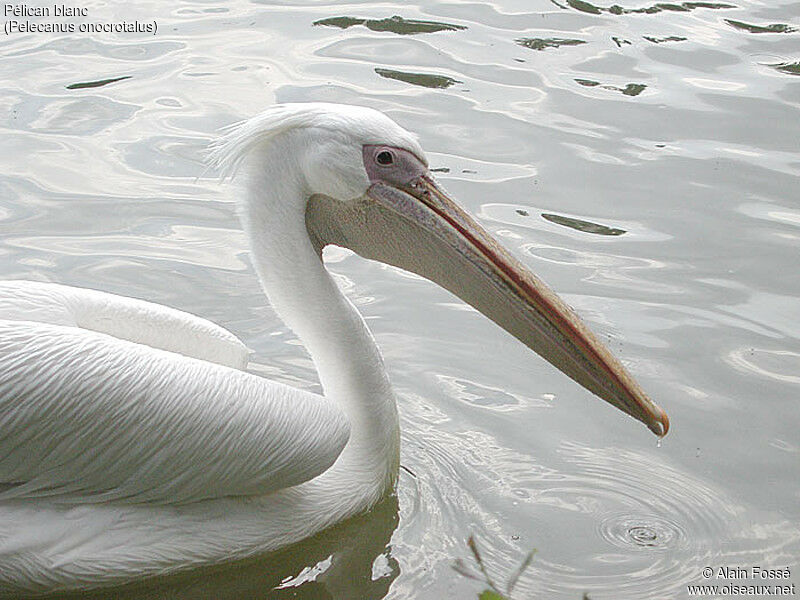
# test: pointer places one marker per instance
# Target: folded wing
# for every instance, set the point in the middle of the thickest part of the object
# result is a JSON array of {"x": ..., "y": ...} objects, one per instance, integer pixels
[
  {"x": 85, "y": 417},
  {"x": 122, "y": 317}
]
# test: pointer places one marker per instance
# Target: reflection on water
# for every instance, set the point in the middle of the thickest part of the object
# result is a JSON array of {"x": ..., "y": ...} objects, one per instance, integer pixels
[
  {"x": 394, "y": 24},
  {"x": 70, "y": 116},
  {"x": 657, "y": 141},
  {"x": 580, "y": 225},
  {"x": 662, "y": 525},
  {"x": 616, "y": 9},
  {"x": 789, "y": 68},
  {"x": 544, "y": 43},
  {"x": 632, "y": 89},
  {"x": 422, "y": 79},
  {"x": 352, "y": 560},
  {"x": 780, "y": 365},
  {"x": 94, "y": 84},
  {"x": 774, "y": 28},
  {"x": 661, "y": 40}
]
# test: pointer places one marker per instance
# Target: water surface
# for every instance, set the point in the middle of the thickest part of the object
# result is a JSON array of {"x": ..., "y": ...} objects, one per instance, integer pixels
[{"x": 641, "y": 157}]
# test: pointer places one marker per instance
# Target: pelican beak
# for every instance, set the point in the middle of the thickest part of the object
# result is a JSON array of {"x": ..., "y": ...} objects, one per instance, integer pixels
[{"x": 417, "y": 227}]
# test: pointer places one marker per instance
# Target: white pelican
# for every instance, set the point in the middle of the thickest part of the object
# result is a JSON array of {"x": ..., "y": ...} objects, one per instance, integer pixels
[{"x": 133, "y": 444}]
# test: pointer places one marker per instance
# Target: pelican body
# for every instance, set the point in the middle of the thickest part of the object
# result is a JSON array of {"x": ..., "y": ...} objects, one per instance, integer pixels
[{"x": 134, "y": 444}]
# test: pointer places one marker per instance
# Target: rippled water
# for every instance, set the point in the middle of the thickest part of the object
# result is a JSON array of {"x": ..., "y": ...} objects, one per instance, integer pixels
[{"x": 642, "y": 157}]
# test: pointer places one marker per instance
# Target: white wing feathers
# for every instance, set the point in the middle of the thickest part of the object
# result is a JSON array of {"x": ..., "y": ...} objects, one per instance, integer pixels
[
  {"x": 125, "y": 318},
  {"x": 88, "y": 417}
]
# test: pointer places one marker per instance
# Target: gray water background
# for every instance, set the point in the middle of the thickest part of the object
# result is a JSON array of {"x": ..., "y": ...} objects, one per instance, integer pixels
[{"x": 642, "y": 158}]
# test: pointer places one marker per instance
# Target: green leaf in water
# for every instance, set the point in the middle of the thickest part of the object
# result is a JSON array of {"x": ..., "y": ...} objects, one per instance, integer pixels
[
  {"x": 712, "y": 5},
  {"x": 410, "y": 26},
  {"x": 491, "y": 595},
  {"x": 670, "y": 7},
  {"x": 585, "y": 226},
  {"x": 394, "y": 24},
  {"x": 774, "y": 28},
  {"x": 340, "y": 22},
  {"x": 671, "y": 38},
  {"x": 584, "y": 7},
  {"x": 790, "y": 68},
  {"x": 633, "y": 89},
  {"x": 422, "y": 79},
  {"x": 94, "y": 84},
  {"x": 544, "y": 43},
  {"x": 616, "y": 9}
]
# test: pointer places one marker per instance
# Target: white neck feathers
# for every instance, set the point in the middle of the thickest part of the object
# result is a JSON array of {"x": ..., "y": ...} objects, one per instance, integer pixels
[{"x": 307, "y": 298}]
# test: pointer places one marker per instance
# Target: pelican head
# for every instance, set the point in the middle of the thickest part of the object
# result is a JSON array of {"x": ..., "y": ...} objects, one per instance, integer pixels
[{"x": 364, "y": 184}]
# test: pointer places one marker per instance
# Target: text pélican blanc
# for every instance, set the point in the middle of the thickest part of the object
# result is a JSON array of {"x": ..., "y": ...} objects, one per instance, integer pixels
[
  {"x": 57, "y": 10},
  {"x": 61, "y": 11}
]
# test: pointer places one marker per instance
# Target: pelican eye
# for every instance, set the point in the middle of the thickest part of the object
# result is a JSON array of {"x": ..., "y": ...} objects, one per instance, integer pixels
[{"x": 384, "y": 158}]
